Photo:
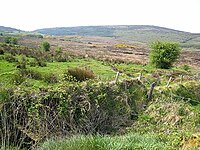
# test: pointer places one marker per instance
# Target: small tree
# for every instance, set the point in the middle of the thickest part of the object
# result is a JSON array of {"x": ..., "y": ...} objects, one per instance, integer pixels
[
  {"x": 164, "y": 54},
  {"x": 45, "y": 46}
]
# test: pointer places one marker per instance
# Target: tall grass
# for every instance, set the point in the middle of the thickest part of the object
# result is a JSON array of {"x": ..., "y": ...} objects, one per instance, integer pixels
[{"x": 131, "y": 141}]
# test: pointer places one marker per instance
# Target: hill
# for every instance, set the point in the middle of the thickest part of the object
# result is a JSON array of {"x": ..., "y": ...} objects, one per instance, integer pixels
[
  {"x": 8, "y": 29},
  {"x": 139, "y": 33}
]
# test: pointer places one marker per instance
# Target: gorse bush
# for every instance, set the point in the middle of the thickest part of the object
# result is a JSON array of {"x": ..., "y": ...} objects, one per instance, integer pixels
[
  {"x": 164, "y": 54},
  {"x": 81, "y": 74}
]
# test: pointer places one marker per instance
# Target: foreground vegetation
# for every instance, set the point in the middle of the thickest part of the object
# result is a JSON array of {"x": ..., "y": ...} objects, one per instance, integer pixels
[{"x": 50, "y": 99}]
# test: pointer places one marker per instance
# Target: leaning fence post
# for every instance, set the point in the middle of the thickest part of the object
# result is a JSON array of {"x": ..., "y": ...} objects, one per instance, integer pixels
[
  {"x": 140, "y": 76},
  {"x": 117, "y": 77},
  {"x": 150, "y": 93},
  {"x": 169, "y": 82},
  {"x": 181, "y": 79}
]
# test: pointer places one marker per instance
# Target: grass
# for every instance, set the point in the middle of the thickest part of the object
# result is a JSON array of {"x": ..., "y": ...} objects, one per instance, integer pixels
[
  {"x": 131, "y": 141},
  {"x": 6, "y": 72},
  {"x": 100, "y": 70},
  {"x": 155, "y": 119}
]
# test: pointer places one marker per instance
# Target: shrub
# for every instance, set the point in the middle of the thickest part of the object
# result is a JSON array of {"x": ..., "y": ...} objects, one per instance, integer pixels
[
  {"x": 1, "y": 52},
  {"x": 50, "y": 78},
  {"x": 10, "y": 58},
  {"x": 45, "y": 46},
  {"x": 58, "y": 50},
  {"x": 81, "y": 74},
  {"x": 164, "y": 54},
  {"x": 11, "y": 40},
  {"x": 22, "y": 63},
  {"x": 28, "y": 73},
  {"x": 18, "y": 78},
  {"x": 33, "y": 63},
  {"x": 186, "y": 67}
]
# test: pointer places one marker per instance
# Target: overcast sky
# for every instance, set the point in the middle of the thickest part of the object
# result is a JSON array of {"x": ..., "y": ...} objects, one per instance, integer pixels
[{"x": 34, "y": 14}]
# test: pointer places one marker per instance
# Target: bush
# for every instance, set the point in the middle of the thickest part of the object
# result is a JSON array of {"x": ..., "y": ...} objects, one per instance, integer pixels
[
  {"x": 10, "y": 58},
  {"x": 28, "y": 73},
  {"x": 1, "y": 52},
  {"x": 164, "y": 54},
  {"x": 11, "y": 40},
  {"x": 81, "y": 74},
  {"x": 18, "y": 78},
  {"x": 45, "y": 46},
  {"x": 89, "y": 108},
  {"x": 22, "y": 63},
  {"x": 186, "y": 67},
  {"x": 50, "y": 78}
]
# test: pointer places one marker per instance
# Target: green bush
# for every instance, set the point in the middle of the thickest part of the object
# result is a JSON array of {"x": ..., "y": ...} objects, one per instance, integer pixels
[
  {"x": 45, "y": 46},
  {"x": 76, "y": 108},
  {"x": 81, "y": 74},
  {"x": 1, "y": 52},
  {"x": 21, "y": 64},
  {"x": 50, "y": 78},
  {"x": 11, "y": 40},
  {"x": 164, "y": 54},
  {"x": 18, "y": 78},
  {"x": 29, "y": 73},
  {"x": 10, "y": 58}
]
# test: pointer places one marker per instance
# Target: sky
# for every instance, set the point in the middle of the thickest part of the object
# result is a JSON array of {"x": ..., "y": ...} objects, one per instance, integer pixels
[{"x": 29, "y": 15}]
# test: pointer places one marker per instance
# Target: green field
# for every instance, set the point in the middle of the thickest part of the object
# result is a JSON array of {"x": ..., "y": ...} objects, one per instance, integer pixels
[{"x": 43, "y": 106}]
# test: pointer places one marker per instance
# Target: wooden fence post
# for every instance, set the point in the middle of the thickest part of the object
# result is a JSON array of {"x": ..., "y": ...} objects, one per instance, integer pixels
[
  {"x": 169, "y": 82},
  {"x": 181, "y": 79},
  {"x": 150, "y": 93},
  {"x": 140, "y": 76},
  {"x": 117, "y": 77}
]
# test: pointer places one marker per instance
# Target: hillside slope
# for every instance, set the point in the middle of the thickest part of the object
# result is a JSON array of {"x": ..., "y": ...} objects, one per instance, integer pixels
[
  {"x": 8, "y": 29},
  {"x": 140, "y": 33}
]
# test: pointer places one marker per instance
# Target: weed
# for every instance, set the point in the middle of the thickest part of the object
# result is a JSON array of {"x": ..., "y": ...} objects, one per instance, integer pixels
[
  {"x": 50, "y": 78},
  {"x": 81, "y": 74}
]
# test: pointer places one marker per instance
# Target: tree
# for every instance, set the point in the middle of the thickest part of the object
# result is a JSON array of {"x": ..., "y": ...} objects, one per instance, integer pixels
[
  {"x": 164, "y": 54},
  {"x": 45, "y": 46}
]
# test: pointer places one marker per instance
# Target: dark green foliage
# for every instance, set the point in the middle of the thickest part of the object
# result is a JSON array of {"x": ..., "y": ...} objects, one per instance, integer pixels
[
  {"x": 11, "y": 40},
  {"x": 10, "y": 58},
  {"x": 186, "y": 67},
  {"x": 32, "y": 74},
  {"x": 50, "y": 78},
  {"x": 81, "y": 74},
  {"x": 18, "y": 78},
  {"x": 21, "y": 64},
  {"x": 1, "y": 52},
  {"x": 41, "y": 63},
  {"x": 45, "y": 46},
  {"x": 189, "y": 93},
  {"x": 90, "y": 108},
  {"x": 164, "y": 54}
]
